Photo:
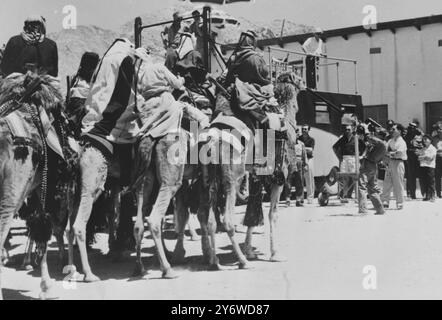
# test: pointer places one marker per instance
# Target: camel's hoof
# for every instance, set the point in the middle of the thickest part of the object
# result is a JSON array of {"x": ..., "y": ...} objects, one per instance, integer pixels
[
  {"x": 170, "y": 274},
  {"x": 48, "y": 296},
  {"x": 215, "y": 267},
  {"x": 5, "y": 261},
  {"x": 251, "y": 255},
  {"x": 245, "y": 266},
  {"x": 47, "y": 292},
  {"x": 139, "y": 271},
  {"x": 278, "y": 258},
  {"x": 9, "y": 261},
  {"x": 27, "y": 267},
  {"x": 91, "y": 278}
]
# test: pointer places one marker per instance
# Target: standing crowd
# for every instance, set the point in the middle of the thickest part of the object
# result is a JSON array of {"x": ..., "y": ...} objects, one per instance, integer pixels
[{"x": 397, "y": 156}]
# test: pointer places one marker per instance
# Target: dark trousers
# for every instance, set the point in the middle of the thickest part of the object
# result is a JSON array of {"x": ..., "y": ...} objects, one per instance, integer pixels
[
  {"x": 413, "y": 172},
  {"x": 428, "y": 181},
  {"x": 294, "y": 179},
  {"x": 310, "y": 69},
  {"x": 438, "y": 175}
]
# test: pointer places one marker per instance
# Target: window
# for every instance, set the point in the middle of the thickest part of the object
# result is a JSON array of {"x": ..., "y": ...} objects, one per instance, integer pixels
[
  {"x": 440, "y": 43},
  {"x": 322, "y": 116},
  {"x": 376, "y": 50},
  {"x": 433, "y": 114}
]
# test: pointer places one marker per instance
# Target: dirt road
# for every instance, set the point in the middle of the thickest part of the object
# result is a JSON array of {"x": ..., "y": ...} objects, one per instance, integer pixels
[{"x": 327, "y": 250}]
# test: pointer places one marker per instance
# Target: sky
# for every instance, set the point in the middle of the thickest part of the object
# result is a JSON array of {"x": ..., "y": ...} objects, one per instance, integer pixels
[{"x": 110, "y": 14}]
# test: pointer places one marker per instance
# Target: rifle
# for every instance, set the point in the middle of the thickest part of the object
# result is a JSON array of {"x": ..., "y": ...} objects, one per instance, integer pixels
[{"x": 68, "y": 92}]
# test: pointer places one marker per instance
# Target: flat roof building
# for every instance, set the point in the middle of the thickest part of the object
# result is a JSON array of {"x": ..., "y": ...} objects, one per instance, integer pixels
[{"x": 398, "y": 71}]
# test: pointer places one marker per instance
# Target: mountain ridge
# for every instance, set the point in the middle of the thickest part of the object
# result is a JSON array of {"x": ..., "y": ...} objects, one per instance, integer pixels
[{"x": 73, "y": 43}]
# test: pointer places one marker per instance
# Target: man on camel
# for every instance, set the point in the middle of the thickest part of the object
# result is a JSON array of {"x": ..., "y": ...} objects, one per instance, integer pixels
[{"x": 31, "y": 50}]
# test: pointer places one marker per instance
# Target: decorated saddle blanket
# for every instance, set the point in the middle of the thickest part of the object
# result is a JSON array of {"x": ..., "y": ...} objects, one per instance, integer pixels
[{"x": 21, "y": 126}]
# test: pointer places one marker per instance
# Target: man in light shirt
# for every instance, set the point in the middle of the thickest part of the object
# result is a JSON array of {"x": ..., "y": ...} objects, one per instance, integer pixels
[
  {"x": 394, "y": 175},
  {"x": 427, "y": 159},
  {"x": 171, "y": 40},
  {"x": 313, "y": 46}
]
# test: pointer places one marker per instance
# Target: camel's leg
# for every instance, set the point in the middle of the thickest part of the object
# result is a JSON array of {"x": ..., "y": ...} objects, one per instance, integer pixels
[
  {"x": 16, "y": 178},
  {"x": 71, "y": 206},
  {"x": 60, "y": 243},
  {"x": 203, "y": 212},
  {"x": 139, "y": 231},
  {"x": 70, "y": 235},
  {"x": 211, "y": 226},
  {"x": 46, "y": 282},
  {"x": 192, "y": 229},
  {"x": 169, "y": 173},
  {"x": 231, "y": 174},
  {"x": 253, "y": 215},
  {"x": 5, "y": 224},
  {"x": 248, "y": 247},
  {"x": 273, "y": 219},
  {"x": 143, "y": 192},
  {"x": 155, "y": 225},
  {"x": 169, "y": 255},
  {"x": 181, "y": 219},
  {"x": 115, "y": 251},
  {"x": 93, "y": 168},
  {"x": 191, "y": 218},
  {"x": 27, "y": 260}
]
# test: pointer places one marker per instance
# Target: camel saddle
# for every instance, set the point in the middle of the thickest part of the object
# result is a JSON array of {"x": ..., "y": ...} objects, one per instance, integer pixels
[{"x": 20, "y": 127}]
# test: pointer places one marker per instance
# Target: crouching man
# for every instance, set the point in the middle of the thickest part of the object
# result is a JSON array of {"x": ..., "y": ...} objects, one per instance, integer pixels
[{"x": 374, "y": 153}]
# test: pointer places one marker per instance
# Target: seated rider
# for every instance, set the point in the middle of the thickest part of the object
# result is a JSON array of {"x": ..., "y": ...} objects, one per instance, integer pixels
[
  {"x": 250, "y": 68},
  {"x": 247, "y": 64},
  {"x": 79, "y": 88},
  {"x": 171, "y": 41},
  {"x": 107, "y": 104}
]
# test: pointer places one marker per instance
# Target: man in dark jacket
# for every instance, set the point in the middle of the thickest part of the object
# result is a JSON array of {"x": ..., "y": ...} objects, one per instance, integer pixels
[
  {"x": 413, "y": 139},
  {"x": 31, "y": 50},
  {"x": 248, "y": 64},
  {"x": 375, "y": 151}
]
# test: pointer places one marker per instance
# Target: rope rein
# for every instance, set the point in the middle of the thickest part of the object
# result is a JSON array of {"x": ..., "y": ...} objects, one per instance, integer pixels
[{"x": 35, "y": 116}]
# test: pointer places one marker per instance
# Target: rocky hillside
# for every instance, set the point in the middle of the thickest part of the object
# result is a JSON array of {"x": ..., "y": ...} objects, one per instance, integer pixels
[{"x": 73, "y": 43}]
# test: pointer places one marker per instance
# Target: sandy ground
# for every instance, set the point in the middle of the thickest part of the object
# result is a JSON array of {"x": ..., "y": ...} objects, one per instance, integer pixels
[{"x": 327, "y": 250}]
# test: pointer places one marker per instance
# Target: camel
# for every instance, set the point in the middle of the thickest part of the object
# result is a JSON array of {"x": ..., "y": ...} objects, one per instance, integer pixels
[
  {"x": 174, "y": 179},
  {"x": 27, "y": 163},
  {"x": 286, "y": 90},
  {"x": 221, "y": 181},
  {"x": 94, "y": 166},
  {"x": 172, "y": 175}
]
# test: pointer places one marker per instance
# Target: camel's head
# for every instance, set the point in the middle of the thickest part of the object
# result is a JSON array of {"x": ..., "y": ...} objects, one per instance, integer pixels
[
  {"x": 46, "y": 92},
  {"x": 287, "y": 86}
]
